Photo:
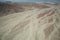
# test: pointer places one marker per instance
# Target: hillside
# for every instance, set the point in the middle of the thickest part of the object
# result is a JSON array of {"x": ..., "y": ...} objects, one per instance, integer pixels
[
  {"x": 9, "y": 8},
  {"x": 36, "y": 21}
]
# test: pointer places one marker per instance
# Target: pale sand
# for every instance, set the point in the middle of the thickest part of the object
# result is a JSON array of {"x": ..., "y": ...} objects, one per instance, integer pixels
[{"x": 36, "y": 24}]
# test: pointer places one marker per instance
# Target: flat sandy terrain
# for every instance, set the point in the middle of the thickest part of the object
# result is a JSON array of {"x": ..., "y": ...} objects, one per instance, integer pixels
[{"x": 34, "y": 23}]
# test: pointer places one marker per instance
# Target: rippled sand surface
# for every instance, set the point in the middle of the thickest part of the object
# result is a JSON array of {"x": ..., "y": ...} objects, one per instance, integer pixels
[{"x": 36, "y": 24}]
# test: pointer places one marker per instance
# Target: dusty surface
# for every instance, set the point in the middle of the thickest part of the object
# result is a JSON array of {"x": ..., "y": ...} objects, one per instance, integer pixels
[{"x": 35, "y": 24}]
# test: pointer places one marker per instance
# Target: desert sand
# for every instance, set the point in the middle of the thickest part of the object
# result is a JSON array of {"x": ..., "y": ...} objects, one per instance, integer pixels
[{"x": 35, "y": 23}]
